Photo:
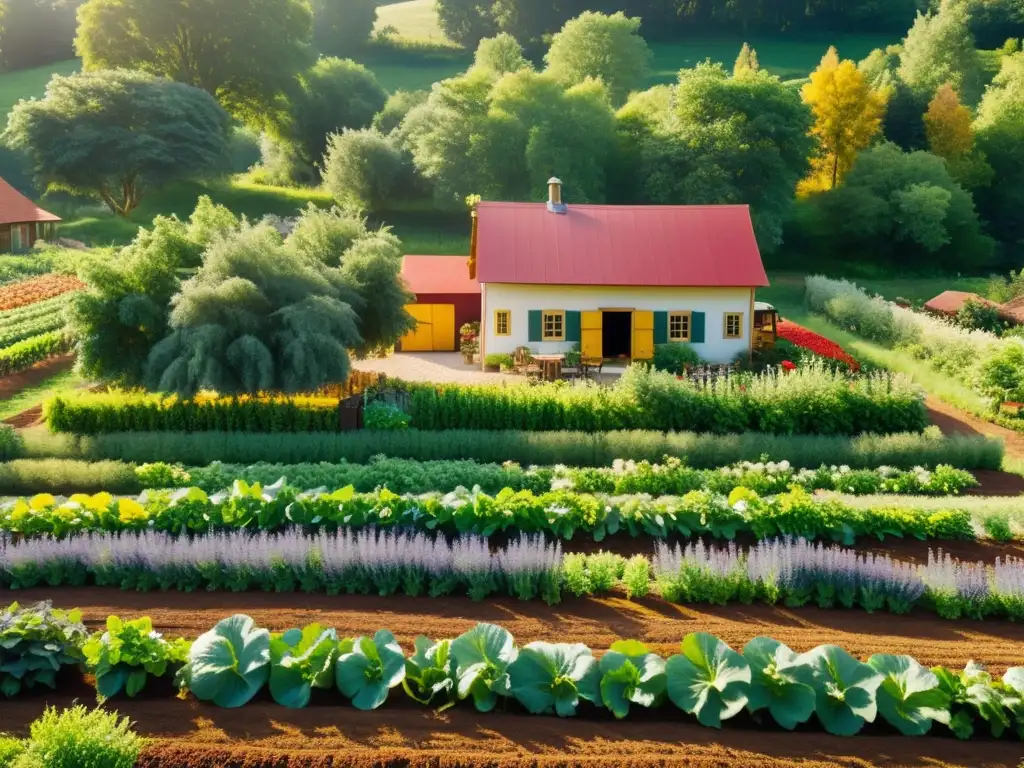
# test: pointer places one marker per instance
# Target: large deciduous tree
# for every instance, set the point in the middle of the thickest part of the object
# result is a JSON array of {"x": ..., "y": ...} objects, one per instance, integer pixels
[
  {"x": 117, "y": 134},
  {"x": 367, "y": 169},
  {"x": 501, "y": 55},
  {"x": 245, "y": 52},
  {"x": 333, "y": 95},
  {"x": 605, "y": 47},
  {"x": 848, "y": 115},
  {"x": 1000, "y": 135},
  {"x": 903, "y": 208},
  {"x": 466, "y": 22},
  {"x": 342, "y": 28},
  {"x": 948, "y": 124},
  {"x": 719, "y": 139},
  {"x": 940, "y": 49},
  {"x": 37, "y": 32}
]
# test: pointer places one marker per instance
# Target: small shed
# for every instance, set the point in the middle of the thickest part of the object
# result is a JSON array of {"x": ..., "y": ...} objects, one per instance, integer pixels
[
  {"x": 948, "y": 303},
  {"x": 446, "y": 299},
  {"x": 22, "y": 222}
]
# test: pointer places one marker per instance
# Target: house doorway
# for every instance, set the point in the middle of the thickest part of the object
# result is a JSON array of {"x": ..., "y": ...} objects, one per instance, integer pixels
[{"x": 617, "y": 334}]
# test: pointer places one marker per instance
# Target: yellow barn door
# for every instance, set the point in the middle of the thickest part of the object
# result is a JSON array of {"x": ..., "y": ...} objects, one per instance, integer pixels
[
  {"x": 443, "y": 328},
  {"x": 434, "y": 331},
  {"x": 420, "y": 338},
  {"x": 591, "y": 334},
  {"x": 643, "y": 334}
]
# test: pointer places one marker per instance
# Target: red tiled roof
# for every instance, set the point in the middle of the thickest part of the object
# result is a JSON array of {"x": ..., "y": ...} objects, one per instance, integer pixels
[
  {"x": 950, "y": 302},
  {"x": 438, "y": 274},
  {"x": 694, "y": 245},
  {"x": 15, "y": 208}
]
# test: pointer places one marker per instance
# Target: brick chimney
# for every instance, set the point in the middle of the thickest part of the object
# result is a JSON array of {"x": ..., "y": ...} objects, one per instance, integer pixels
[{"x": 555, "y": 204}]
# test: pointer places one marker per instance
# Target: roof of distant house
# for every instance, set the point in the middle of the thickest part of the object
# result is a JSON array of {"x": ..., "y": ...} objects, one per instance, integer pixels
[
  {"x": 15, "y": 208},
  {"x": 682, "y": 245},
  {"x": 438, "y": 274},
  {"x": 950, "y": 302}
]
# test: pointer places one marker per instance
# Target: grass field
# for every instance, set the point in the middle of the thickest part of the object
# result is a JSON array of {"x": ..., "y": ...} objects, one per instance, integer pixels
[
  {"x": 27, "y": 83},
  {"x": 413, "y": 20}
]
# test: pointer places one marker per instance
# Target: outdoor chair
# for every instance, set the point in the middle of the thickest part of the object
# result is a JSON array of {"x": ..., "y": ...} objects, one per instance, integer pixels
[
  {"x": 524, "y": 363},
  {"x": 591, "y": 366}
]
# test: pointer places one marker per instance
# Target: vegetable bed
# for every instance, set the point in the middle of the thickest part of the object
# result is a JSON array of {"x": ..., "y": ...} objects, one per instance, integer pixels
[{"x": 329, "y": 732}]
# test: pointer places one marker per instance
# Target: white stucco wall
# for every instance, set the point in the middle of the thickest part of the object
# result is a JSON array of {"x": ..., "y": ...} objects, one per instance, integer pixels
[{"x": 520, "y": 299}]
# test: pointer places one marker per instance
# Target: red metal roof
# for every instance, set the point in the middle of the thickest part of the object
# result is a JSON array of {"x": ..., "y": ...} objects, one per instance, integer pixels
[
  {"x": 692, "y": 245},
  {"x": 15, "y": 208},
  {"x": 438, "y": 274},
  {"x": 950, "y": 302}
]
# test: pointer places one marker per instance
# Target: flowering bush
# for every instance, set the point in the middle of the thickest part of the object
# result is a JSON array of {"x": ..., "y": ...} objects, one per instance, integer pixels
[{"x": 814, "y": 343}]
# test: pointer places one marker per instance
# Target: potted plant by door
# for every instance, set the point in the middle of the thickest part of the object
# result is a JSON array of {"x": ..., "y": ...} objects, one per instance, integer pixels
[{"x": 469, "y": 341}]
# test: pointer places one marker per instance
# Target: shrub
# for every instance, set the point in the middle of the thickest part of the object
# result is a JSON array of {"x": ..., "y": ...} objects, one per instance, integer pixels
[
  {"x": 80, "y": 738},
  {"x": 10, "y": 443},
  {"x": 580, "y": 449},
  {"x": 380, "y": 415},
  {"x": 37, "y": 641},
  {"x": 504, "y": 361},
  {"x": 366, "y": 168},
  {"x": 673, "y": 358},
  {"x": 10, "y": 749}
]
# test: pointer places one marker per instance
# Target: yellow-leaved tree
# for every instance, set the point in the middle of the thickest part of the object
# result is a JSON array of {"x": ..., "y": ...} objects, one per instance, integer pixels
[
  {"x": 848, "y": 115},
  {"x": 947, "y": 124}
]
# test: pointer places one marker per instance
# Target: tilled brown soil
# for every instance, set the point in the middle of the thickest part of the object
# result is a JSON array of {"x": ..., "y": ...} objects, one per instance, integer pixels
[{"x": 192, "y": 734}]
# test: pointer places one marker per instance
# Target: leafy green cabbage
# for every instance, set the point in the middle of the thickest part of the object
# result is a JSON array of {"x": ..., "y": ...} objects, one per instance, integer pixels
[
  {"x": 229, "y": 664},
  {"x": 709, "y": 679},
  {"x": 553, "y": 677}
]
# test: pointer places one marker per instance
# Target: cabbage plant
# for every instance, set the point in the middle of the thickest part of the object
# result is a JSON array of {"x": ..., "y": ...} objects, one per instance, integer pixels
[
  {"x": 229, "y": 664},
  {"x": 972, "y": 694},
  {"x": 482, "y": 656},
  {"x": 779, "y": 682},
  {"x": 301, "y": 660},
  {"x": 631, "y": 674},
  {"x": 553, "y": 677},
  {"x": 429, "y": 672},
  {"x": 845, "y": 689},
  {"x": 709, "y": 679},
  {"x": 122, "y": 657},
  {"x": 909, "y": 697},
  {"x": 370, "y": 669}
]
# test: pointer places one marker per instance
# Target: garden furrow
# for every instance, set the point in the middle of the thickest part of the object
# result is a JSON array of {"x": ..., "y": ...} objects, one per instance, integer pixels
[{"x": 596, "y": 622}]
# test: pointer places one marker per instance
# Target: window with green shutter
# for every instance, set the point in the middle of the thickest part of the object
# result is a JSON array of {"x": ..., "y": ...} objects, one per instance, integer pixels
[
  {"x": 661, "y": 327},
  {"x": 572, "y": 325}
]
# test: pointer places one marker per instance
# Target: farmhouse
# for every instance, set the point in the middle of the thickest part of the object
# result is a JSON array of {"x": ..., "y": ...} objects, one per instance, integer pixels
[
  {"x": 615, "y": 279},
  {"x": 22, "y": 222},
  {"x": 446, "y": 299}
]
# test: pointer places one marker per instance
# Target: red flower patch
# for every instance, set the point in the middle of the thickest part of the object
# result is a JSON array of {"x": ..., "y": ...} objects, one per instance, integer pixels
[{"x": 811, "y": 341}]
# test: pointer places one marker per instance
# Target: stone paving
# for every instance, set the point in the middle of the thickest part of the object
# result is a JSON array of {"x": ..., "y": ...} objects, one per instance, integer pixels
[{"x": 440, "y": 367}]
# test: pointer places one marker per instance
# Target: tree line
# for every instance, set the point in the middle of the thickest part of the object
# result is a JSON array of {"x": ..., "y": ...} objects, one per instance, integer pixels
[{"x": 469, "y": 21}]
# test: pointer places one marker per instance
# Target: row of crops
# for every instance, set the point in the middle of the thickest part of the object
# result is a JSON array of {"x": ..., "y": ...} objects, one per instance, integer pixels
[
  {"x": 32, "y": 321},
  {"x": 484, "y": 667}
]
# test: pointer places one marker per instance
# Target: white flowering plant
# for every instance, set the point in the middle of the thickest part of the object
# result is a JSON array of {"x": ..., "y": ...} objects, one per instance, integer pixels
[{"x": 123, "y": 657}]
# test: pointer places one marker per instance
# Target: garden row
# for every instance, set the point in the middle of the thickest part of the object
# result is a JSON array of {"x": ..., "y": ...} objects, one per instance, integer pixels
[
  {"x": 230, "y": 664},
  {"x": 789, "y": 572},
  {"x": 991, "y": 366},
  {"x": 25, "y": 354},
  {"x": 579, "y": 449},
  {"x": 811, "y": 400},
  {"x": 34, "y": 320},
  {"x": 37, "y": 289},
  {"x": 561, "y": 514},
  {"x": 671, "y": 476}
]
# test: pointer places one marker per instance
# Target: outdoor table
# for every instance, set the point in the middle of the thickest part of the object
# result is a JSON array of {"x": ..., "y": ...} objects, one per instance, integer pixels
[{"x": 550, "y": 366}]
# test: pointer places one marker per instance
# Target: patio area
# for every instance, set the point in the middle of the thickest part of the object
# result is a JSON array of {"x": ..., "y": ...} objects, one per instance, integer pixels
[{"x": 439, "y": 367}]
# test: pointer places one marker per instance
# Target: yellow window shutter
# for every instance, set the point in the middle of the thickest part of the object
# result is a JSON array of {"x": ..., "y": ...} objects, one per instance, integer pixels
[
  {"x": 591, "y": 332},
  {"x": 643, "y": 334}
]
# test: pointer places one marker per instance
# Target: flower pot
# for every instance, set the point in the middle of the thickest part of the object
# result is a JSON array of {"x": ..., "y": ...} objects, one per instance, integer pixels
[{"x": 467, "y": 358}]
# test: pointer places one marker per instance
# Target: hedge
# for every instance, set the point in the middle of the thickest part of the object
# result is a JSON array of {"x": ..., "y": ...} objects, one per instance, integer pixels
[
  {"x": 577, "y": 449},
  {"x": 27, "y": 353},
  {"x": 98, "y": 413}
]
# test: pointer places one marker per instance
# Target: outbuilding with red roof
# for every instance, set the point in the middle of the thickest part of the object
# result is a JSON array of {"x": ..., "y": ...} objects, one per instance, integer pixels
[
  {"x": 446, "y": 299},
  {"x": 22, "y": 222},
  {"x": 615, "y": 279}
]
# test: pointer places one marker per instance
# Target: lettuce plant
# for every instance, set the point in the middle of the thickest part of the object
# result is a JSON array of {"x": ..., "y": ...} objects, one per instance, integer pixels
[
  {"x": 553, "y": 677},
  {"x": 301, "y": 660},
  {"x": 35, "y": 642},
  {"x": 779, "y": 682},
  {"x": 128, "y": 652},
  {"x": 845, "y": 689},
  {"x": 708, "y": 679},
  {"x": 974, "y": 694},
  {"x": 229, "y": 664},
  {"x": 368, "y": 669},
  {"x": 631, "y": 674},
  {"x": 482, "y": 657},
  {"x": 909, "y": 697},
  {"x": 429, "y": 672}
]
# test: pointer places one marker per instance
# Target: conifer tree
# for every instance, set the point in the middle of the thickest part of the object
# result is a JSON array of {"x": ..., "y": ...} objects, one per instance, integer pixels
[
  {"x": 948, "y": 124},
  {"x": 848, "y": 115},
  {"x": 746, "y": 61}
]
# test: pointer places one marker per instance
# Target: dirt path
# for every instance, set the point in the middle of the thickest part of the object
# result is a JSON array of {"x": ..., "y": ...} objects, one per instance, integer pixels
[
  {"x": 16, "y": 382},
  {"x": 329, "y": 733},
  {"x": 953, "y": 421}
]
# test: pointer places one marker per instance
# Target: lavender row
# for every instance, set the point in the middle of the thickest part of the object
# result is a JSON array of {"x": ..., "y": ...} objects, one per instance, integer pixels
[{"x": 796, "y": 573}]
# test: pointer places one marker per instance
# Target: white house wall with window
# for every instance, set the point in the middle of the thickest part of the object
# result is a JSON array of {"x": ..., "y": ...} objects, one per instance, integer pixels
[{"x": 616, "y": 280}]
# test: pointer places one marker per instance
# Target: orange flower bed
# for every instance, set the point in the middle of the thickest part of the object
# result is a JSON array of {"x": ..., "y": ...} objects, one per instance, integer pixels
[
  {"x": 37, "y": 289},
  {"x": 813, "y": 342}
]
